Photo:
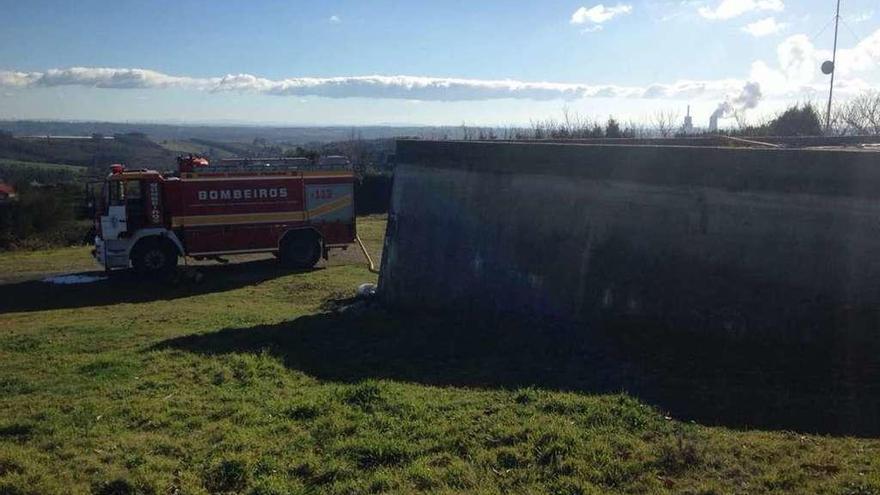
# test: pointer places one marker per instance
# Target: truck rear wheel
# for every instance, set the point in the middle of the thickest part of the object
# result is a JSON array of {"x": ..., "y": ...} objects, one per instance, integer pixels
[
  {"x": 300, "y": 250},
  {"x": 154, "y": 257}
]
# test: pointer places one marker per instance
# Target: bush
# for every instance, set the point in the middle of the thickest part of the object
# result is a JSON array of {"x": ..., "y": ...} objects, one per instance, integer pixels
[
  {"x": 43, "y": 217},
  {"x": 67, "y": 234},
  {"x": 797, "y": 120},
  {"x": 612, "y": 129},
  {"x": 20, "y": 175}
]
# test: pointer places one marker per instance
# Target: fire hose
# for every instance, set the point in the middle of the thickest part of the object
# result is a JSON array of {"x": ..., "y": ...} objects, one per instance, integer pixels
[{"x": 372, "y": 266}]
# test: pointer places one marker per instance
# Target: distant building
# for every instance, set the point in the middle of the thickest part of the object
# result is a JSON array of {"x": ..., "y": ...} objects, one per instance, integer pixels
[
  {"x": 713, "y": 122},
  {"x": 35, "y": 184},
  {"x": 688, "y": 126},
  {"x": 7, "y": 193}
]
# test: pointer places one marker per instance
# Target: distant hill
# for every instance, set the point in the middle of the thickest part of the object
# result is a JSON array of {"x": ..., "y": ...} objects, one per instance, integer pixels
[
  {"x": 227, "y": 133},
  {"x": 23, "y": 174},
  {"x": 134, "y": 150},
  {"x": 76, "y": 169},
  {"x": 96, "y": 145}
]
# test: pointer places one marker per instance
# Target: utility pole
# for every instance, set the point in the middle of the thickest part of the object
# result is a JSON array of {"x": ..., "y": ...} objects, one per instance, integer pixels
[{"x": 833, "y": 70}]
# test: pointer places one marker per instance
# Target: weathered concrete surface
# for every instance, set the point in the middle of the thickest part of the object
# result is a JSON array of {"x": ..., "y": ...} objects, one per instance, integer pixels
[
  {"x": 741, "y": 238},
  {"x": 725, "y": 141}
]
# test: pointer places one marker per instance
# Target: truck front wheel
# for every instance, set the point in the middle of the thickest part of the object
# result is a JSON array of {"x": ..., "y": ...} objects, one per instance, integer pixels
[
  {"x": 300, "y": 250},
  {"x": 154, "y": 257}
]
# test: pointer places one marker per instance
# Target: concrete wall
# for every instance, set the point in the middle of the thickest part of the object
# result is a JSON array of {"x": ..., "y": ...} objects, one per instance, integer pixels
[
  {"x": 726, "y": 141},
  {"x": 742, "y": 238}
]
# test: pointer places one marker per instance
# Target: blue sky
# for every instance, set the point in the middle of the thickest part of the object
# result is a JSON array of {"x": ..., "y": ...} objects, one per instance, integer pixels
[{"x": 628, "y": 58}]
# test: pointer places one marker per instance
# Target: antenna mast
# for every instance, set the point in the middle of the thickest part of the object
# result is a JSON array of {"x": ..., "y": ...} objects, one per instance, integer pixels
[{"x": 833, "y": 70}]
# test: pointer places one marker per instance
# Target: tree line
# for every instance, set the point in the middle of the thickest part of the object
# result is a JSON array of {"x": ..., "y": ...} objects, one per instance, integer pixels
[{"x": 859, "y": 116}]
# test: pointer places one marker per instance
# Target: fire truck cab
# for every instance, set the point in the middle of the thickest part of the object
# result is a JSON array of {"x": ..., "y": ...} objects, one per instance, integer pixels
[{"x": 293, "y": 208}]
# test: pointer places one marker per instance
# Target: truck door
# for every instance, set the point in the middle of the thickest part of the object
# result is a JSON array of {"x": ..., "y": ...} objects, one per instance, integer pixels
[
  {"x": 125, "y": 209},
  {"x": 114, "y": 223},
  {"x": 134, "y": 205}
]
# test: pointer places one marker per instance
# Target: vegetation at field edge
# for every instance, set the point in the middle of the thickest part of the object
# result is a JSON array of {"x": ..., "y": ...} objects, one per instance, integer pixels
[{"x": 42, "y": 165}]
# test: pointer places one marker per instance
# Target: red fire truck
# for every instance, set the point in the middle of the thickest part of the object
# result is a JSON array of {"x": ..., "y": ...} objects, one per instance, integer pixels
[{"x": 294, "y": 208}]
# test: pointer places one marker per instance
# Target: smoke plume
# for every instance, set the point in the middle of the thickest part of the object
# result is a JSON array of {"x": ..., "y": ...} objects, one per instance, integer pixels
[{"x": 747, "y": 99}]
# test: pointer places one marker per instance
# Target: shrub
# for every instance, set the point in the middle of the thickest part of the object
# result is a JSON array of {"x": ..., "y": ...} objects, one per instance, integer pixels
[
  {"x": 43, "y": 217},
  {"x": 797, "y": 120}
]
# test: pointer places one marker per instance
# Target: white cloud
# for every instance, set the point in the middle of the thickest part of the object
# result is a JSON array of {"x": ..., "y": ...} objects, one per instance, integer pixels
[
  {"x": 860, "y": 17},
  {"x": 334, "y": 19},
  {"x": 797, "y": 70},
  {"x": 771, "y": 80},
  {"x": 794, "y": 73},
  {"x": 599, "y": 14},
  {"x": 863, "y": 57},
  {"x": 728, "y": 9},
  {"x": 764, "y": 27},
  {"x": 668, "y": 10},
  {"x": 798, "y": 59},
  {"x": 798, "y": 67},
  {"x": 109, "y": 78},
  {"x": 376, "y": 86},
  {"x": 16, "y": 79}
]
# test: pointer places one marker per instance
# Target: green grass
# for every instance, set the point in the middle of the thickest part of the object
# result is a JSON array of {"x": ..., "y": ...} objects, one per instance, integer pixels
[
  {"x": 252, "y": 383},
  {"x": 41, "y": 165},
  {"x": 20, "y": 264}
]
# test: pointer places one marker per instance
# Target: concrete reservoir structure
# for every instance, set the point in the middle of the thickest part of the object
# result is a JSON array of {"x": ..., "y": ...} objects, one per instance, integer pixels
[{"x": 736, "y": 238}]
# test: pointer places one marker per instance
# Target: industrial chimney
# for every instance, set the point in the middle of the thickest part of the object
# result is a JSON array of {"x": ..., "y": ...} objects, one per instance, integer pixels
[{"x": 688, "y": 126}]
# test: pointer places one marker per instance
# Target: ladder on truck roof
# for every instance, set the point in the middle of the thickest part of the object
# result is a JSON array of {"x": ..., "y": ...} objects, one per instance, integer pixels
[{"x": 276, "y": 164}]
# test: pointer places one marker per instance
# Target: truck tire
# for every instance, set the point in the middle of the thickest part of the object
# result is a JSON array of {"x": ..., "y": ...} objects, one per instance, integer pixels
[
  {"x": 153, "y": 257},
  {"x": 300, "y": 250}
]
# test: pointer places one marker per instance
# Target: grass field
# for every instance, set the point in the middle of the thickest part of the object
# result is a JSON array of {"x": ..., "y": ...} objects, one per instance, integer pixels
[
  {"x": 262, "y": 381},
  {"x": 183, "y": 147},
  {"x": 41, "y": 165},
  {"x": 20, "y": 265}
]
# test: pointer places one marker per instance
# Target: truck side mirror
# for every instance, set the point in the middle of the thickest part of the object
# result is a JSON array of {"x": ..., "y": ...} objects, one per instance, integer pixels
[{"x": 91, "y": 205}]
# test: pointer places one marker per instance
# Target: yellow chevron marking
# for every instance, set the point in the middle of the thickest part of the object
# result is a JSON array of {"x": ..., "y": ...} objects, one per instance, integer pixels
[
  {"x": 327, "y": 174},
  {"x": 331, "y": 206},
  {"x": 269, "y": 174},
  {"x": 197, "y": 178},
  {"x": 236, "y": 219}
]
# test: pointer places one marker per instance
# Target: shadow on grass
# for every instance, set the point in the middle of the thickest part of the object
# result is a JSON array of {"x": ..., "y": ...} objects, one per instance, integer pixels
[
  {"x": 127, "y": 287},
  {"x": 825, "y": 386}
]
